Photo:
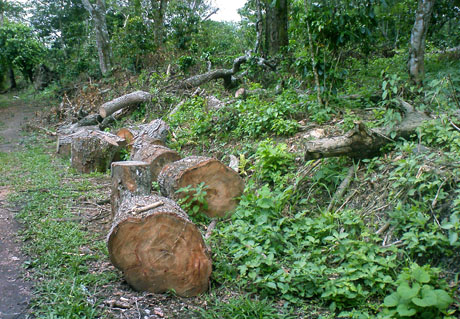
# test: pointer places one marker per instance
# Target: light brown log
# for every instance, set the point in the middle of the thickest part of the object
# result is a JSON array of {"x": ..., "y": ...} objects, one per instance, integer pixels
[
  {"x": 64, "y": 142},
  {"x": 224, "y": 185},
  {"x": 159, "y": 249},
  {"x": 130, "y": 99},
  {"x": 361, "y": 142},
  {"x": 95, "y": 151},
  {"x": 156, "y": 156},
  {"x": 129, "y": 178}
]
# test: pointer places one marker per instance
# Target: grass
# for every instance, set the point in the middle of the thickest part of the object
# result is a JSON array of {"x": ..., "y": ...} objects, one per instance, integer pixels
[{"x": 55, "y": 243}]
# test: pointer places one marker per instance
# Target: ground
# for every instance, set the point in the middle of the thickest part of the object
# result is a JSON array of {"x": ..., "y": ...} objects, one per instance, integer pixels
[{"x": 15, "y": 291}]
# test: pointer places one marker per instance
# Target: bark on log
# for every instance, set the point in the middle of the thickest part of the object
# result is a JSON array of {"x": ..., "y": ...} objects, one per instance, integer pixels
[
  {"x": 156, "y": 129},
  {"x": 157, "y": 156},
  {"x": 133, "y": 98},
  {"x": 159, "y": 249},
  {"x": 95, "y": 151},
  {"x": 361, "y": 142},
  {"x": 64, "y": 142},
  {"x": 224, "y": 184},
  {"x": 129, "y": 178}
]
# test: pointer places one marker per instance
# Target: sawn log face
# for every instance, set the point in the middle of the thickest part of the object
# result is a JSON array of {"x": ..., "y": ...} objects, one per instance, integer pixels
[{"x": 159, "y": 249}]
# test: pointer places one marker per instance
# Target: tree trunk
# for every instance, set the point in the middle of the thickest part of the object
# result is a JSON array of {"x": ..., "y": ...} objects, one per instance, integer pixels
[
  {"x": 276, "y": 26},
  {"x": 417, "y": 42},
  {"x": 12, "y": 78},
  {"x": 104, "y": 49},
  {"x": 129, "y": 99},
  {"x": 159, "y": 248},
  {"x": 156, "y": 156},
  {"x": 95, "y": 151},
  {"x": 224, "y": 185},
  {"x": 259, "y": 29},
  {"x": 159, "y": 22},
  {"x": 130, "y": 178},
  {"x": 361, "y": 142}
]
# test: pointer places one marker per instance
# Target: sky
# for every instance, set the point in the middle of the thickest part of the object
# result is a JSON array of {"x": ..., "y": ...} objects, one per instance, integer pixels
[{"x": 228, "y": 10}]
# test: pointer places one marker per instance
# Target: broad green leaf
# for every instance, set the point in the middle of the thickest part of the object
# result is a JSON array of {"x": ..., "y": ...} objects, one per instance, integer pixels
[
  {"x": 453, "y": 237},
  {"x": 421, "y": 275},
  {"x": 391, "y": 300},
  {"x": 443, "y": 299},
  {"x": 429, "y": 298},
  {"x": 405, "y": 311},
  {"x": 406, "y": 292}
]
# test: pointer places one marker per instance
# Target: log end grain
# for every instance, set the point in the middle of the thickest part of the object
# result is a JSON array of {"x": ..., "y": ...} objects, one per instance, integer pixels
[{"x": 159, "y": 249}]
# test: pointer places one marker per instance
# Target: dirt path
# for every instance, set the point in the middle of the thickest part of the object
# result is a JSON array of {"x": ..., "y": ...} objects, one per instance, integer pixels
[{"x": 14, "y": 291}]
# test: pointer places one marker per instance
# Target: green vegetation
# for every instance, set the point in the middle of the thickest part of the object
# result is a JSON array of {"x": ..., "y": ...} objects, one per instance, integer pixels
[{"x": 59, "y": 249}]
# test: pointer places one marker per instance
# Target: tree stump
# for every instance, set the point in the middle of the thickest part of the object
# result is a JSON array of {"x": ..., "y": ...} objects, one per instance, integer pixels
[
  {"x": 95, "y": 151},
  {"x": 224, "y": 184},
  {"x": 156, "y": 156},
  {"x": 129, "y": 178},
  {"x": 158, "y": 248}
]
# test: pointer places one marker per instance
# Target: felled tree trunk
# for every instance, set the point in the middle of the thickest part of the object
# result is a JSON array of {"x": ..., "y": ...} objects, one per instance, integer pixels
[
  {"x": 224, "y": 185},
  {"x": 361, "y": 142},
  {"x": 64, "y": 142},
  {"x": 95, "y": 151},
  {"x": 129, "y": 99},
  {"x": 158, "y": 248},
  {"x": 129, "y": 178},
  {"x": 156, "y": 156}
]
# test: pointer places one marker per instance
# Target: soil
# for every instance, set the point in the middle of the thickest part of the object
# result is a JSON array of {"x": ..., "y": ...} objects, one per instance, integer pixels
[{"x": 15, "y": 291}]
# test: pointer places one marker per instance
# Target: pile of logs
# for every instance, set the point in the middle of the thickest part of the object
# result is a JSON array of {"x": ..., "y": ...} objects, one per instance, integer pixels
[{"x": 152, "y": 240}]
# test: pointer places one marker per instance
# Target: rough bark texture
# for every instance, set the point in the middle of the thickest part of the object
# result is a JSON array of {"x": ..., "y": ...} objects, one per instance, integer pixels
[
  {"x": 130, "y": 99},
  {"x": 276, "y": 26},
  {"x": 95, "y": 151},
  {"x": 64, "y": 142},
  {"x": 360, "y": 142},
  {"x": 159, "y": 249},
  {"x": 156, "y": 156},
  {"x": 224, "y": 184},
  {"x": 104, "y": 49},
  {"x": 417, "y": 41},
  {"x": 159, "y": 12},
  {"x": 156, "y": 129},
  {"x": 130, "y": 178}
]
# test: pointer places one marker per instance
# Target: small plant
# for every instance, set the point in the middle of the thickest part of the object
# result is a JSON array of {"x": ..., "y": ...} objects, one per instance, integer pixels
[
  {"x": 194, "y": 199},
  {"x": 416, "y": 295},
  {"x": 273, "y": 161}
]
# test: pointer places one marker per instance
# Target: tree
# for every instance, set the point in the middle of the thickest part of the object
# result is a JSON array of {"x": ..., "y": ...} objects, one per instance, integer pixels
[
  {"x": 417, "y": 41},
  {"x": 97, "y": 12},
  {"x": 276, "y": 26},
  {"x": 19, "y": 48}
]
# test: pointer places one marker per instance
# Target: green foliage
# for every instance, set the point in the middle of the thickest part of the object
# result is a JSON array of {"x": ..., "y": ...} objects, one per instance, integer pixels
[
  {"x": 193, "y": 199},
  {"x": 20, "y": 48},
  {"x": 242, "y": 307},
  {"x": 416, "y": 295},
  {"x": 272, "y": 161}
]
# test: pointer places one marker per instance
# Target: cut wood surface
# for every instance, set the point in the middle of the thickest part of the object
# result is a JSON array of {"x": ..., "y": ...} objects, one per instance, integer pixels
[
  {"x": 157, "y": 156},
  {"x": 224, "y": 185},
  {"x": 361, "y": 142},
  {"x": 159, "y": 249},
  {"x": 129, "y": 99},
  {"x": 129, "y": 178},
  {"x": 95, "y": 151},
  {"x": 64, "y": 142}
]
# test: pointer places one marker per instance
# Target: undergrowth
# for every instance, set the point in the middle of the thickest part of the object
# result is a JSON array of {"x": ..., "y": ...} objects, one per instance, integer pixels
[{"x": 54, "y": 241}]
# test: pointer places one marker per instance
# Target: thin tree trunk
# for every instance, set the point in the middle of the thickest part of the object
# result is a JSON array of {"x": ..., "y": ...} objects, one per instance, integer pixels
[
  {"x": 12, "y": 78},
  {"x": 259, "y": 28},
  {"x": 417, "y": 41},
  {"x": 104, "y": 49},
  {"x": 159, "y": 21}
]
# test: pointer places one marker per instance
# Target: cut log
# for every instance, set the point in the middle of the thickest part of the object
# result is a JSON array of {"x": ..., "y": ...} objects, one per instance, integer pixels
[
  {"x": 156, "y": 156},
  {"x": 158, "y": 248},
  {"x": 156, "y": 129},
  {"x": 95, "y": 151},
  {"x": 130, "y": 99},
  {"x": 361, "y": 142},
  {"x": 130, "y": 178},
  {"x": 224, "y": 185},
  {"x": 92, "y": 119},
  {"x": 64, "y": 142}
]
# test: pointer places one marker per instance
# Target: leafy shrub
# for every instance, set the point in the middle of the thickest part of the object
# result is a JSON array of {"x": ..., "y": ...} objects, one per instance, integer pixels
[
  {"x": 416, "y": 295},
  {"x": 194, "y": 199},
  {"x": 272, "y": 161}
]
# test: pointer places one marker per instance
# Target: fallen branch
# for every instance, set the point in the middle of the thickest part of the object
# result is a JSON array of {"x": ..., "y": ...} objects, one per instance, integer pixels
[
  {"x": 342, "y": 187},
  {"x": 361, "y": 142},
  {"x": 226, "y": 74},
  {"x": 130, "y": 99}
]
